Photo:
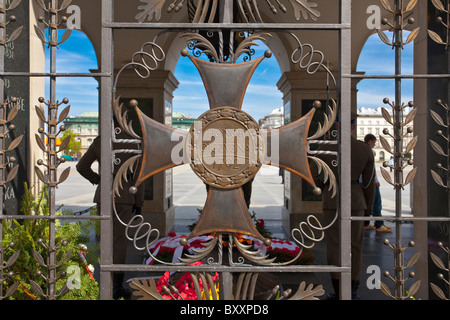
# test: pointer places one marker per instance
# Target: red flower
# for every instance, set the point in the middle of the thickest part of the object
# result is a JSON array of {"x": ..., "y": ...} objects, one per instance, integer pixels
[
  {"x": 172, "y": 234},
  {"x": 260, "y": 223}
]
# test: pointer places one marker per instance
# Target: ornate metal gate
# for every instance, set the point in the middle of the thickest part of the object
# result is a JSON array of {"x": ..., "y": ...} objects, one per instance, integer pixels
[{"x": 225, "y": 215}]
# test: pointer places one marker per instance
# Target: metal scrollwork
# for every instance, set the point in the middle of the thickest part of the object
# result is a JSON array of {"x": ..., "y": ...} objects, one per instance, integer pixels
[{"x": 205, "y": 11}]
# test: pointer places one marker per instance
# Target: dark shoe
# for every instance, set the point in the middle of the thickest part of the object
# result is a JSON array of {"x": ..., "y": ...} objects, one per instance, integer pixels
[
  {"x": 355, "y": 296},
  {"x": 332, "y": 296}
]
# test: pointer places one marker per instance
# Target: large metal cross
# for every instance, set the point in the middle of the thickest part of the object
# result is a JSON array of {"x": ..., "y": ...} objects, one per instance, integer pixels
[{"x": 225, "y": 147}]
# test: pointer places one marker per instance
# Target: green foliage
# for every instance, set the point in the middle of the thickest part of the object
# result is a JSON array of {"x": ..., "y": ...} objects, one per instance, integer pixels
[
  {"x": 74, "y": 146},
  {"x": 26, "y": 234}
]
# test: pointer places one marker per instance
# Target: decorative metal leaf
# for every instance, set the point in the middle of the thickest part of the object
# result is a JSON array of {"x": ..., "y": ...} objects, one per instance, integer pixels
[
  {"x": 413, "y": 289},
  {"x": 151, "y": 10},
  {"x": 202, "y": 42},
  {"x": 412, "y": 36},
  {"x": 66, "y": 35},
  {"x": 40, "y": 34},
  {"x": 385, "y": 144},
  {"x": 40, "y": 113},
  {"x": 15, "y": 143},
  {"x": 12, "y": 114},
  {"x": 37, "y": 256},
  {"x": 385, "y": 289},
  {"x": 327, "y": 123},
  {"x": 305, "y": 9},
  {"x": 411, "y": 144},
  {"x": 12, "y": 173},
  {"x": 40, "y": 174},
  {"x": 12, "y": 259},
  {"x": 245, "y": 45},
  {"x": 437, "y": 178},
  {"x": 384, "y": 37},
  {"x": 436, "y": 147},
  {"x": 437, "y": 118},
  {"x": 64, "y": 176},
  {"x": 411, "y": 5},
  {"x": 64, "y": 143},
  {"x": 410, "y": 177},
  {"x": 386, "y": 176},
  {"x": 41, "y": 4},
  {"x": 65, "y": 4},
  {"x": 14, "y": 4},
  {"x": 386, "y": 115},
  {"x": 438, "y": 262},
  {"x": 438, "y": 291},
  {"x": 63, "y": 290},
  {"x": 308, "y": 293},
  {"x": 122, "y": 173},
  {"x": 435, "y": 37},
  {"x": 40, "y": 143},
  {"x": 386, "y": 5},
  {"x": 145, "y": 289},
  {"x": 15, "y": 34},
  {"x": 37, "y": 288},
  {"x": 410, "y": 116},
  {"x": 11, "y": 289},
  {"x": 63, "y": 114},
  {"x": 438, "y": 4},
  {"x": 412, "y": 261}
]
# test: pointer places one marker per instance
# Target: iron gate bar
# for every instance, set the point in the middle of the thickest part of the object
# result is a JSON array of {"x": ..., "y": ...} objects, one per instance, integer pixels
[
  {"x": 399, "y": 76},
  {"x": 106, "y": 167},
  {"x": 56, "y": 74},
  {"x": 223, "y": 268},
  {"x": 23, "y": 217},
  {"x": 228, "y": 26},
  {"x": 344, "y": 200},
  {"x": 412, "y": 219}
]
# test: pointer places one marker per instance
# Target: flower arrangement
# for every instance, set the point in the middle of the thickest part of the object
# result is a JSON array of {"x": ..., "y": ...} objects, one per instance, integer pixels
[
  {"x": 185, "y": 287},
  {"x": 169, "y": 249}
]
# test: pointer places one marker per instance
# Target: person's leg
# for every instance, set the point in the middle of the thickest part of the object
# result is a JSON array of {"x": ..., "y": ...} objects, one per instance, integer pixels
[
  {"x": 120, "y": 243},
  {"x": 376, "y": 212},
  {"x": 333, "y": 250},
  {"x": 357, "y": 238}
]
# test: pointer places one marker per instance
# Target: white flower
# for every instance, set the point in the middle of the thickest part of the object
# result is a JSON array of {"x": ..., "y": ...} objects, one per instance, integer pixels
[
  {"x": 83, "y": 247},
  {"x": 91, "y": 268}
]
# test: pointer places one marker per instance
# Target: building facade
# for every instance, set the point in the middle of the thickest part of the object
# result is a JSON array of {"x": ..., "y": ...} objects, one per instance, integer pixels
[
  {"x": 273, "y": 120},
  {"x": 182, "y": 121},
  {"x": 85, "y": 126},
  {"x": 371, "y": 120}
]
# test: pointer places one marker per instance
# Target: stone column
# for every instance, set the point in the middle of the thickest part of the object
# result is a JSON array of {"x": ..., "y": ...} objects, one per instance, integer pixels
[
  {"x": 154, "y": 96},
  {"x": 299, "y": 90}
]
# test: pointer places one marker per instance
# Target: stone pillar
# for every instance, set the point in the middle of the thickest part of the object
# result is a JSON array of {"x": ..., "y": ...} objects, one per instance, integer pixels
[
  {"x": 154, "y": 96},
  {"x": 24, "y": 54},
  {"x": 300, "y": 90}
]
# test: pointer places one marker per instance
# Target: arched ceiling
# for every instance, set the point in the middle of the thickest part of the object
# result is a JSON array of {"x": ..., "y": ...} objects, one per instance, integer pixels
[{"x": 127, "y": 42}]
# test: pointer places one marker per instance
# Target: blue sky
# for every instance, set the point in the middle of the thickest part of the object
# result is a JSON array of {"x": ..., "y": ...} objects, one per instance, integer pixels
[{"x": 77, "y": 55}]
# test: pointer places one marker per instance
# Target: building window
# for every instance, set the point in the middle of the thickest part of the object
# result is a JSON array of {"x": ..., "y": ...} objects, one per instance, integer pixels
[
  {"x": 79, "y": 129},
  {"x": 377, "y": 131},
  {"x": 361, "y": 131}
]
